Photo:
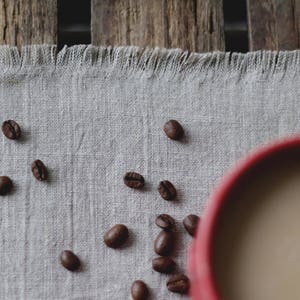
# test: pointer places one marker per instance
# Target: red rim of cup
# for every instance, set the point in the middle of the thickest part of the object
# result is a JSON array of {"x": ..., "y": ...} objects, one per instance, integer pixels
[{"x": 203, "y": 285}]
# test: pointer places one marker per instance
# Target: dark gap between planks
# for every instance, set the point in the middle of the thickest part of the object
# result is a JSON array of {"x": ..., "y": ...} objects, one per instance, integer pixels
[
  {"x": 236, "y": 27},
  {"x": 74, "y": 19}
]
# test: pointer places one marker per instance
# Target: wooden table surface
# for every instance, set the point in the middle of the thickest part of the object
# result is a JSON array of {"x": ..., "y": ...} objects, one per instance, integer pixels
[{"x": 194, "y": 25}]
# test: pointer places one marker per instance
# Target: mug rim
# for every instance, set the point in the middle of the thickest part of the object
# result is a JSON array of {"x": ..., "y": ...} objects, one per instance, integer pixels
[{"x": 203, "y": 283}]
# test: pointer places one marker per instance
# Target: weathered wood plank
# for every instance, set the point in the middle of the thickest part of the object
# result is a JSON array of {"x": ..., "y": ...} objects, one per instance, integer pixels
[
  {"x": 195, "y": 25},
  {"x": 274, "y": 24},
  {"x": 25, "y": 22}
]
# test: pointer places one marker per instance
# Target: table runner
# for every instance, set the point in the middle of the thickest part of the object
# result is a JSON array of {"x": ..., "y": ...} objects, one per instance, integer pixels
[{"x": 92, "y": 114}]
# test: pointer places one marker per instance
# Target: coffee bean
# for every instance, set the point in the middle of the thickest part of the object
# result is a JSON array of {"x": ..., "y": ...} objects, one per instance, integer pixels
[
  {"x": 163, "y": 264},
  {"x": 116, "y": 236},
  {"x": 173, "y": 130},
  {"x": 70, "y": 260},
  {"x": 190, "y": 224},
  {"x": 5, "y": 185},
  {"x": 178, "y": 283},
  {"x": 134, "y": 180},
  {"x": 164, "y": 243},
  {"x": 167, "y": 190},
  {"x": 39, "y": 170},
  {"x": 165, "y": 221},
  {"x": 139, "y": 290},
  {"x": 11, "y": 129}
]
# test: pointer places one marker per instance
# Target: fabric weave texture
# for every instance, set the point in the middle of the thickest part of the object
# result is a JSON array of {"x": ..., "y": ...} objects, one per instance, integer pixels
[{"x": 92, "y": 114}]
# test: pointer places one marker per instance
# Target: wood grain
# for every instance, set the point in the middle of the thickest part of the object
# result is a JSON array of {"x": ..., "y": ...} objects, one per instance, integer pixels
[
  {"x": 274, "y": 24},
  {"x": 195, "y": 25},
  {"x": 25, "y": 22}
]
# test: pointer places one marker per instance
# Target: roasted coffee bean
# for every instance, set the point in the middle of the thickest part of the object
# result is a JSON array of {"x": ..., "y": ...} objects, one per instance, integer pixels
[
  {"x": 139, "y": 290},
  {"x": 173, "y": 130},
  {"x": 164, "y": 243},
  {"x": 167, "y": 190},
  {"x": 5, "y": 185},
  {"x": 178, "y": 284},
  {"x": 163, "y": 264},
  {"x": 39, "y": 170},
  {"x": 190, "y": 224},
  {"x": 165, "y": 221},
  {"x": 134, "y": 180},
  {"x": 70, "y": 260},
  {"x": 116, "y": 236},
  {"x": 11, "y": 129}
]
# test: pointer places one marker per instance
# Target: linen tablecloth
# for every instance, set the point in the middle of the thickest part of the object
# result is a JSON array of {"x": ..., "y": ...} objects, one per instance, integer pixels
[{"x": 92, "y": 114}]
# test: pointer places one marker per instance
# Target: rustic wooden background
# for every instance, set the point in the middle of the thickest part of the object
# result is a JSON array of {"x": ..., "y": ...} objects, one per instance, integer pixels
[{"x": 195, "y": 25}]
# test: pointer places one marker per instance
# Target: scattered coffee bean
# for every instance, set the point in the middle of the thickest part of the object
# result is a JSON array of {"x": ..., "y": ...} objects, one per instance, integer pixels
[
  {"x": 139, "y": 290},
  {"x": 163, "y": 264},
  {"x": 173, "y": 130},
  {"x": 134, "y": 180},
  {"x": 70, "y": 260},
  {"x": 167, "y": 190},
  {"x": 164, "y": 243},
  {"x": 5, "y": 185},
  {"x": 116, "y": 236},
  {"x": 11, "y": 129},
  {"x": 190, "y": 224},
  {"x": 39, "y": 170},
  {"x": 178, "y": 284},
  {"x": 165, "y": 221}
]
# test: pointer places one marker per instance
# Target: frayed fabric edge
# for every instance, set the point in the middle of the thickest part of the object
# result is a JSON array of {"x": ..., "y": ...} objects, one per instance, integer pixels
[{"x": 149, "y": 62}]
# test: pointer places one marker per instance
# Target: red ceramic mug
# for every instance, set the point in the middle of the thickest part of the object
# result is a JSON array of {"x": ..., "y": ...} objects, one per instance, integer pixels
[{"x": 203, "y": 283}]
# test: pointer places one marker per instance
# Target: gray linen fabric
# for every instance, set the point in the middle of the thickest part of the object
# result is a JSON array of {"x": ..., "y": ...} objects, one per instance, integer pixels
[{"x": 91, "y": 114}]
